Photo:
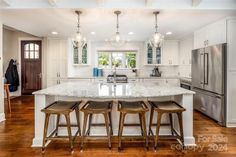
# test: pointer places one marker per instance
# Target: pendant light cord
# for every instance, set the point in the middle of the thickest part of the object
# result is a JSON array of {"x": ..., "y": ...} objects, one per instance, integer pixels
[
  {"x": 156, "y": 21},
  {"x": 117, "y": 23}
]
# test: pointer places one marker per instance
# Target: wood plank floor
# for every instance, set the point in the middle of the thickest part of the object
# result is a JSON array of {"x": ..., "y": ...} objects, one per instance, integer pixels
[{"x": 17, "y": 132}]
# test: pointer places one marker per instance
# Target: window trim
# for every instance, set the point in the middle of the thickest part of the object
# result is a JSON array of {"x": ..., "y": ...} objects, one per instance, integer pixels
[{"x": 110, "y": 57}]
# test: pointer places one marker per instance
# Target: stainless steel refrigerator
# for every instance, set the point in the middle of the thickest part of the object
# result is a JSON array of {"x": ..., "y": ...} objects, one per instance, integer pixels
[{"x": 208, "y": 81}]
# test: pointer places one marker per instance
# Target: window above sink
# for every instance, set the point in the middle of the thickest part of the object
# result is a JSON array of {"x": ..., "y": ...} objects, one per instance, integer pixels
[{"x": 118, "y": 59}]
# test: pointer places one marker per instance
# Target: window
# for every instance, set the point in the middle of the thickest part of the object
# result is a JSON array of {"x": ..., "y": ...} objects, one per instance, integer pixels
[
  {"x": 126, "y": 59},
  {"x": 31, "y": 51}
]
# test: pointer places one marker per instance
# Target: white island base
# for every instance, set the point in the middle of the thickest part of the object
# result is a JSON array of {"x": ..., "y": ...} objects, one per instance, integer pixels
[{"x": 96, "y": 91}]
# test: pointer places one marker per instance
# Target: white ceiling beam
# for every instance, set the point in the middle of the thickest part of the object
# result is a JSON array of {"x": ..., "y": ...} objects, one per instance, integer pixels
[
  {"x": 6, "y": 2},
  {"x": 196, "y": 2},
  {"x": 148, "y": 2},
  {"x": 100, "y": 2},
  {"x": 52, "y": 2}
]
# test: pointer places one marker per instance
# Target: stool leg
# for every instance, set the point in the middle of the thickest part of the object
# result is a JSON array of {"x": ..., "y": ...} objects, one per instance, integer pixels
[
  {"x": 157, "y": 129},
  {"x": 78, "y": 119},
  {"x": 122, "y": 119},
  {"x": 150, "y": 121},
  {"x": 171, "y": 123},
  {"x": 144, "y": 129},
  {"x": 110, "y": 123},
  {"x": 90, "y": 123},
  {"x": 67, "y": 116},
  {"x": 58, "y": 120},
  {"x": 107, "y": 129},
  {"x": 141, "y": 123},
  {"x": 8, "y": 99},
  {"x": 181, "y": 128},
  {"x": 84, "y": 129},
  {"x": 45, "y": 131}
]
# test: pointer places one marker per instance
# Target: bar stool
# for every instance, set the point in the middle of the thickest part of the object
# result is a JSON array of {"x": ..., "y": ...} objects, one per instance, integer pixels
[
  {"x": 61, "y": 108},
  {"x": 97, "y": 107},
  {"x": 6, "y": 88},
  {"x": 134, "y": 107},
  {"x": 166, "y": 107}
]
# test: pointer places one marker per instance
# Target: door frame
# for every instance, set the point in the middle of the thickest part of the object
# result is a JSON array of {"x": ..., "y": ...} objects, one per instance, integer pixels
[{"x": 19, "y": 60}]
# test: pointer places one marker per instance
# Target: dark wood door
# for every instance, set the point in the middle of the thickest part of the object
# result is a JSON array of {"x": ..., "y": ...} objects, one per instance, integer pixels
[{"x": 31, "y": 74}]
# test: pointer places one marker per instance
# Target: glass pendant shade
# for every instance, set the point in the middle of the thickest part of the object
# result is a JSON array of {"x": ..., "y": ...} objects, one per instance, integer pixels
[
  {"x": 117, "y": 40},
  {"x": 79, "y": 41},
  {"x": 157, "y": 38}
]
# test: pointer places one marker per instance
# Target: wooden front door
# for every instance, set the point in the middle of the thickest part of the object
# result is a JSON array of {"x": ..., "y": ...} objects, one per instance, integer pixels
[{"x": 31, "y": 74}]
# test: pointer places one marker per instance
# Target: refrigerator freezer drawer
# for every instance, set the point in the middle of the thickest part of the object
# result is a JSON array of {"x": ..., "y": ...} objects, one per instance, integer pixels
[{"x": 210, "y": 104}]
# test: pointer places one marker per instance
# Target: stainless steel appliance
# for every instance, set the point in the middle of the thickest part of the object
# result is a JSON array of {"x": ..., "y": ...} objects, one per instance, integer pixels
[
  {"x": 208, "y": 81},
  {"x": 185, "y": 83}
]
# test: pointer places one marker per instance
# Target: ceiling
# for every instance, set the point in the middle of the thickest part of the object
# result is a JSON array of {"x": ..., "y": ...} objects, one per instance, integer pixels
[{"x": 41, "y": 22}]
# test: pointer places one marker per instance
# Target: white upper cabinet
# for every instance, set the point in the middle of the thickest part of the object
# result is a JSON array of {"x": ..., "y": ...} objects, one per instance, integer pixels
[
  {"x": 212, "y": 34},
  {"x": 170, "y": 52}
]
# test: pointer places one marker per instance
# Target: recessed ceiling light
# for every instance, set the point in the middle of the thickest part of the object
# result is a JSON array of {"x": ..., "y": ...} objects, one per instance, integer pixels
[
  {"x": 168, "y": 33},
  {"x": 93, "y": 33},
  {"x": 131, "y": 33},
  {"x": 54, "y": 32}
]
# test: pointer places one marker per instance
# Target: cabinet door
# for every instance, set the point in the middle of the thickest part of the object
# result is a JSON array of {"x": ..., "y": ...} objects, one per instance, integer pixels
[
  {"x": 216, "y": 33},
  {"x": 231, "y": 46},
  {"x": 62, "y": 62},
  {"x": 53, "y": 57},
  {"x": 199, "y": 38},
  {"x": 170, "y": 51}
]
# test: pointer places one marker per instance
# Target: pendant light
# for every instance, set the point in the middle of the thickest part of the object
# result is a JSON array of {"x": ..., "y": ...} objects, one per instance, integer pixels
[
  {"x": 116, "y": 40},
  {"x": 157, "y": 38},
  {"x": 79, "y": 40}
]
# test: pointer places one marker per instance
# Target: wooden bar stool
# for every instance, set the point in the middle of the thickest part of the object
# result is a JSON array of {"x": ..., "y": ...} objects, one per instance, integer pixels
[
  {"x": 6, "y": 88},
  {"x": 97, "y": 107},
  {"x": 166, "y": 107},
  {"x": 134, "y": 107},
  {"x": 61, "y": 108}
]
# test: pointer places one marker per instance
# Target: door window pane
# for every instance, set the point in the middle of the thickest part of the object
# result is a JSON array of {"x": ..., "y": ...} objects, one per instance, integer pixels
[
  {"x": 36, "y": 47},
  {"x": 31, "y": 54},
  {"x": 26, "y": 47},
  {"x": 31, "y": 47},
  {"x": 36, "y": 54},
  {"x": 26, "y": 54}
]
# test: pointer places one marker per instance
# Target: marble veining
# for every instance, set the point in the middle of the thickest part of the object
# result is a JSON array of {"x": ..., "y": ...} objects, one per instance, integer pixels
[{"x": 109, "y": 90}]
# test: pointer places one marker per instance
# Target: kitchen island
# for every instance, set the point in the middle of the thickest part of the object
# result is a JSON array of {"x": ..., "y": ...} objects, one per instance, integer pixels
[{"x": 84, "y": 90}]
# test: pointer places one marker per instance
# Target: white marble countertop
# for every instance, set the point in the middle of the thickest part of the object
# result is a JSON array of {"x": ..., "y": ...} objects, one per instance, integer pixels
[{"x": 86, "y": 89}]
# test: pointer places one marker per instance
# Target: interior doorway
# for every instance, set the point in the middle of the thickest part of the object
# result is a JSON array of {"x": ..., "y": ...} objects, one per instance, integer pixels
[{"x": 31, "y": 71}]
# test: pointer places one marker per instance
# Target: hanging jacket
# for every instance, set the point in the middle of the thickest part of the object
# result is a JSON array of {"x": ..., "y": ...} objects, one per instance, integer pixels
[{"x": 12, "y": 76}]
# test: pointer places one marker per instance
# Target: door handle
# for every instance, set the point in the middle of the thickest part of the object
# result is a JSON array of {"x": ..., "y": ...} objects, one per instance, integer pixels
[{"x": 206, "y": 58}]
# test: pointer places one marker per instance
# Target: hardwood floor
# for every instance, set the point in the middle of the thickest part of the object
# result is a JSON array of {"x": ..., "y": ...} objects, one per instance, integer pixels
[{"x": 17, "y": 132}]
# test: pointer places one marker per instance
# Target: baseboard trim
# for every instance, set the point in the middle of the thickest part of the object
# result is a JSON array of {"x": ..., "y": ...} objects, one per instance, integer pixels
[{"x": 2, "y": 117}]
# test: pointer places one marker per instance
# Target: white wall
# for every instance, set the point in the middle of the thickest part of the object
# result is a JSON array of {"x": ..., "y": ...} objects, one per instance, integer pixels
[
  {"x": 2, "y": 116},
  {"x": 11, "y": 50},
  {"x": 185, "y": 52},
  {"x": 86, "y": 71}
]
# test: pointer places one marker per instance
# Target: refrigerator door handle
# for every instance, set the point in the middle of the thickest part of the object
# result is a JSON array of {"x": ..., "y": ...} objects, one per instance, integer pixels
[
  {"x": 202, "y": 68},
  {"x": 206, "y": 62}
]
